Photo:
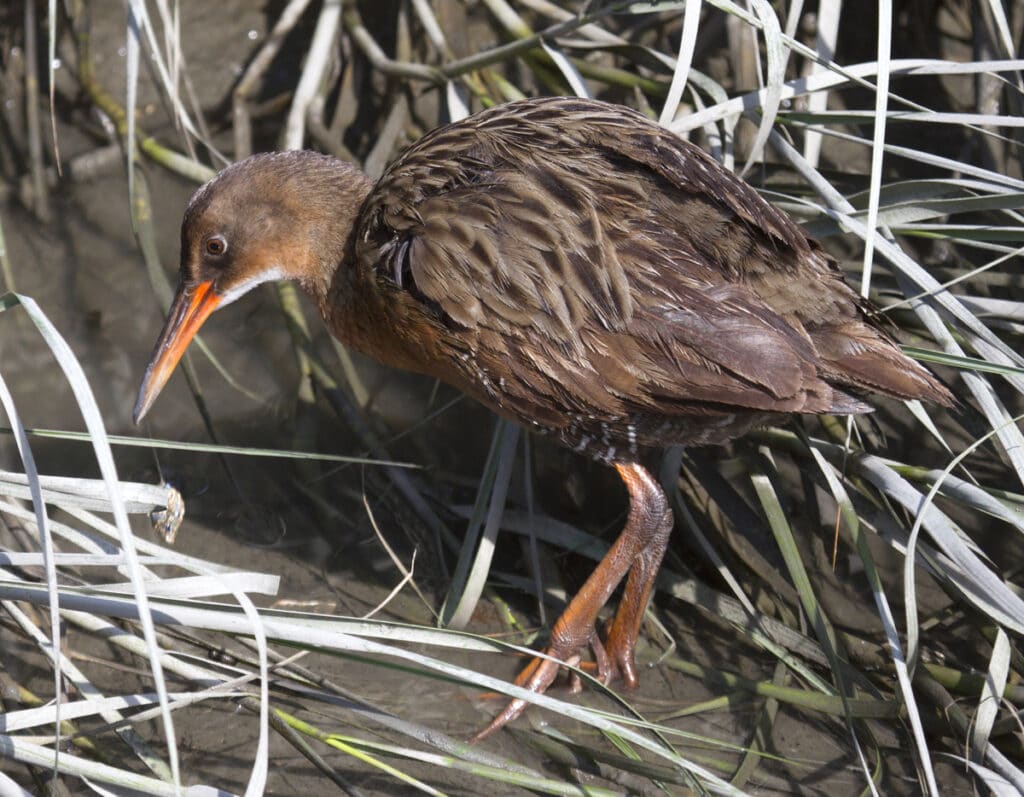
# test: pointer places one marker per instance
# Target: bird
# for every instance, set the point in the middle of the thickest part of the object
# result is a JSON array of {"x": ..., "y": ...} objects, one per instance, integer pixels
[{"x": 576, "y": 268}]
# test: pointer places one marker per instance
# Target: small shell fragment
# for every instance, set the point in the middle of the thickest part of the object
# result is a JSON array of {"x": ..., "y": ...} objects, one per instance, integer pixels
[{"x": 167, "y": 521}]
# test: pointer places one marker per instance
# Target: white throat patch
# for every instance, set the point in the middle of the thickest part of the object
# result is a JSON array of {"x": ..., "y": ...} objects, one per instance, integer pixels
[{"x": 274, "y": 274}]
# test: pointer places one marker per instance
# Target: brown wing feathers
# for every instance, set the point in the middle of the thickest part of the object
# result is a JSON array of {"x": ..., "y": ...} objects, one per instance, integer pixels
[{"x": 660, "y": 280}]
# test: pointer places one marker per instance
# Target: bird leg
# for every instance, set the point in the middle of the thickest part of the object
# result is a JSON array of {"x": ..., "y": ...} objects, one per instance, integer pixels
[
  {"x": 638, "y": 551},
  {"x": 622, "y": 636}
]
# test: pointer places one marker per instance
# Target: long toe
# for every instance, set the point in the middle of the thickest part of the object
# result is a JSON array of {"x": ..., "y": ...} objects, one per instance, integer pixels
[{"x": 538, "y": 675}]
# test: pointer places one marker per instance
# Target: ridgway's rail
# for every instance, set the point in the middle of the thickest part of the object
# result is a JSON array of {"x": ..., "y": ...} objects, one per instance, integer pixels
[{"x": 572, "y": 266}]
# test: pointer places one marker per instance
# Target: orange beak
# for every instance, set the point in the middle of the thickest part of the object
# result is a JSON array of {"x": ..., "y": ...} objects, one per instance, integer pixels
[{"x": 192, "y": 305}]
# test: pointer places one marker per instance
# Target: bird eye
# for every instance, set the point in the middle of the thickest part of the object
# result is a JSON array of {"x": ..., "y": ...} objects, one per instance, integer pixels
[{"x": 216, "y": 246}]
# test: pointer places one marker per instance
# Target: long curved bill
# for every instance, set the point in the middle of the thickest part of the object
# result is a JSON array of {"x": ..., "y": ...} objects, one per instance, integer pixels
[{"x": 192, "y": 305}]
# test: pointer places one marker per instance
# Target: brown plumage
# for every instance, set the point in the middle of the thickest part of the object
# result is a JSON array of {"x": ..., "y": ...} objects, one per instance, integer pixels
[{"x": 573, "y": 266}]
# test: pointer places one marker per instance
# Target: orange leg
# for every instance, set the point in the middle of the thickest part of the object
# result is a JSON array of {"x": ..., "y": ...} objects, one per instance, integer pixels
[{"x": 638, "y": 551}]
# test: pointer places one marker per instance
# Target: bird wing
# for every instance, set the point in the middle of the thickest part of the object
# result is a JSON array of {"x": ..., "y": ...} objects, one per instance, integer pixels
[{"x": 593, "y": 259}]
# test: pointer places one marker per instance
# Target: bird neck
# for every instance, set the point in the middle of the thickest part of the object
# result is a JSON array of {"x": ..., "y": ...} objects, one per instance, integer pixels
[{"x": 332, "y": 198}]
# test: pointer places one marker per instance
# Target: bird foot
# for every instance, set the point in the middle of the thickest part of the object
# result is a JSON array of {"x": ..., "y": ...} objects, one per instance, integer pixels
[
  {"x": 537, "y": 676},
  {"x": 612, "y": 662}
]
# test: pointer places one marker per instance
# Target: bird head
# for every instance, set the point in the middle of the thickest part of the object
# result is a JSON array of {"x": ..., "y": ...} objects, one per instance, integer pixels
[{"x": 268, "y": 217}]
